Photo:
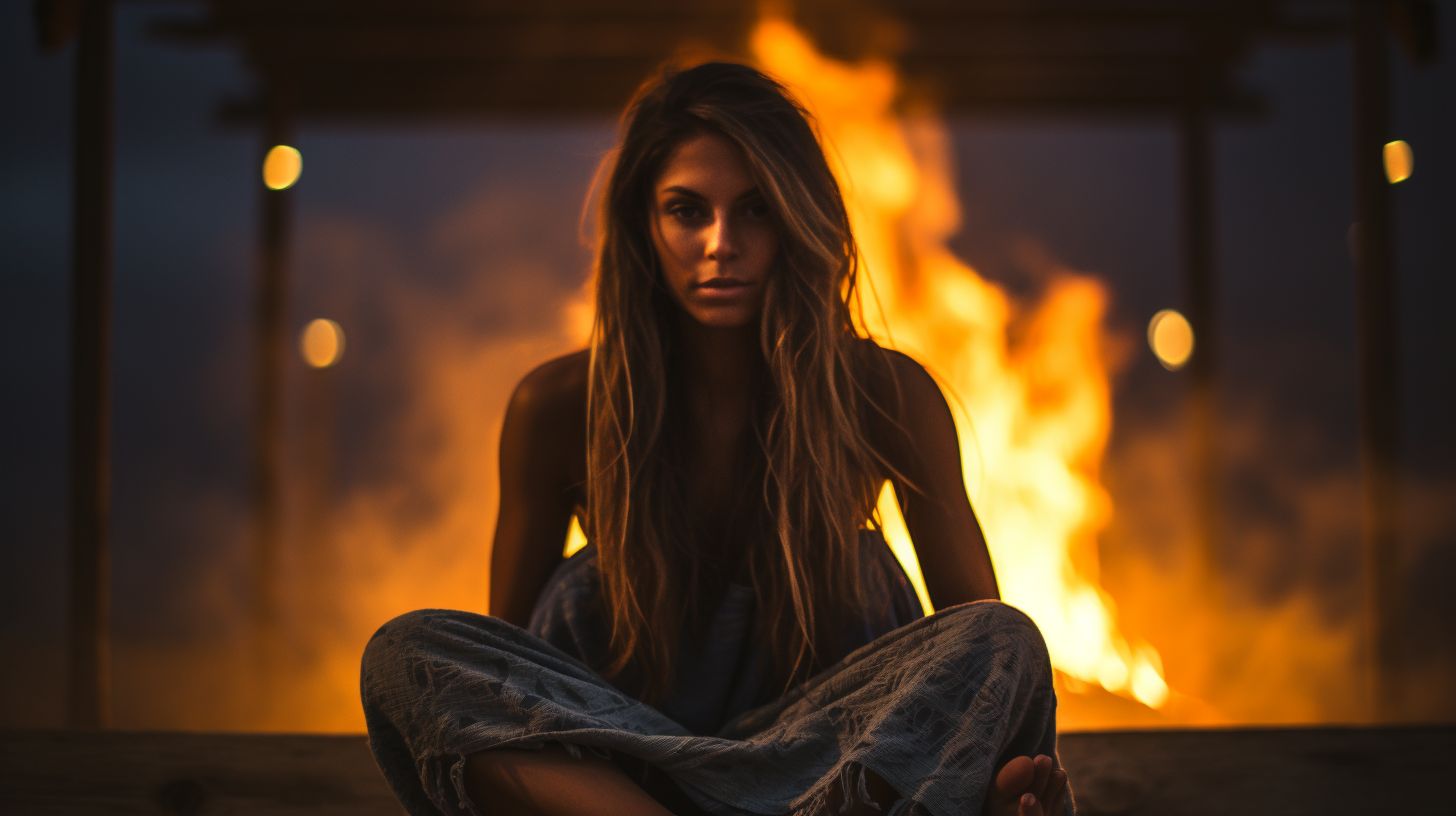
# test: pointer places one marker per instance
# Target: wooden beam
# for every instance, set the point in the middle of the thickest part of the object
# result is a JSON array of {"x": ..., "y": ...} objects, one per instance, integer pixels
[
  {"x": 1251, "y": 772},
  {"x": 1332, "y": 771},
  {"x": 374, "y": 94},
  {"x": 88, "y": 676},
  {"x": 270, "y": 365},
  {"x": 325, "y": 41},
  {"x": 1200, "y": 292},
  {"x": 1379, "y": 354},
  {"x": 378, "y": 61},
  {"x": 381, "y": 96}
]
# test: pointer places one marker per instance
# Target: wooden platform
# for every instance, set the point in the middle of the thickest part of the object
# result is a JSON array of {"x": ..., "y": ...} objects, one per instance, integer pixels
[{"x": 1170, "y": 773}]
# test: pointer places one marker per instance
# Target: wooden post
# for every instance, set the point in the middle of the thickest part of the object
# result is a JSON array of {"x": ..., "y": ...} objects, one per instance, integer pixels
[
  {"x": 1379, "y": 358},
  {"x": 1199, "y": 262},
  {"x": 315, "y": 486},
  {"x": 271, "y": 343},
  {"x": 88, "y": 676}
]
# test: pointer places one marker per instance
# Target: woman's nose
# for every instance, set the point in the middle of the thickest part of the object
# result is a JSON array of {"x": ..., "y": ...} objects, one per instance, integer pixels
[{"x": 722, "y": 242}]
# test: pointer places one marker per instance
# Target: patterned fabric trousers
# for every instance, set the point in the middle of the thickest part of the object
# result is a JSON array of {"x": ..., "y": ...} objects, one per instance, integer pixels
[{"x": 933, "y": 707}]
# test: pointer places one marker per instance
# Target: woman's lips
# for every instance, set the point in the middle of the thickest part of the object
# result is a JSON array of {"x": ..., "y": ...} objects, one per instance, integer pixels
[
  {"x": 721, "y": 283},
  {"x": 722, "y": 289}
]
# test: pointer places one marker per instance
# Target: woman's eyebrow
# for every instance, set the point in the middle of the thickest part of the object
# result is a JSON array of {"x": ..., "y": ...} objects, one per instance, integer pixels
[{"x": 678, "y": 189}]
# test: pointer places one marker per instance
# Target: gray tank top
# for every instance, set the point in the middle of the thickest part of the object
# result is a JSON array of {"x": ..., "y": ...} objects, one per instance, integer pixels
[{"x": 725, "y": 673}]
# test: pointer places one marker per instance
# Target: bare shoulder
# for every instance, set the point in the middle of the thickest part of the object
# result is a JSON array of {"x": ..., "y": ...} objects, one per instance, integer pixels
[
  {"x": 907, "y": 419},
  {"x": 898, "y": 383},
  {"x": 543, "y": 437},
  {"x": 554, "y": 390}
]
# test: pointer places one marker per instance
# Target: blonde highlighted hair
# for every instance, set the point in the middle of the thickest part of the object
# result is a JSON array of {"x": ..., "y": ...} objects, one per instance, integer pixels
[{"x": 819, "y": 471}]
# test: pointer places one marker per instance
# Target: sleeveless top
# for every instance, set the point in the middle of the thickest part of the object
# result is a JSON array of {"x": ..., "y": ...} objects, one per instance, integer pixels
[{"x": 724, "y": 673}]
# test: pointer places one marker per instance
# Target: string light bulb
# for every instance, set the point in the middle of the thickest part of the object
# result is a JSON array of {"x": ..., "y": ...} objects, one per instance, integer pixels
[
  {"x": 1400, "y": 162},
  {"x": 282, "y": 167},
  {"x": 1171, "y": 338},
  {"x": 322, "y": 343}
]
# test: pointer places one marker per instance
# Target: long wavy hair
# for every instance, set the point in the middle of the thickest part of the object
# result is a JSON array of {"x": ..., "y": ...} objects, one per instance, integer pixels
[{"x": 799, "y": 535}]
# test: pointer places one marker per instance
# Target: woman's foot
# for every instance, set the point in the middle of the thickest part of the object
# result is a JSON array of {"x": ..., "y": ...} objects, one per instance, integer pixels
[{"x": 1027, "y": 786}]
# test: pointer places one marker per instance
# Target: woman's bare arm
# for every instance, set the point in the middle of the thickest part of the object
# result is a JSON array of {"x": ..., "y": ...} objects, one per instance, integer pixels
[
  {"x": 925, "y": 448},
  {"x": 535, "y": 503}
]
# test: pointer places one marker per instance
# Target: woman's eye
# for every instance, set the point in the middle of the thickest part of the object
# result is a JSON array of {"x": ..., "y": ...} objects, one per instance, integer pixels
[
  {"x": 685, "y": 212},
  {"x": 758, "y": 210}
]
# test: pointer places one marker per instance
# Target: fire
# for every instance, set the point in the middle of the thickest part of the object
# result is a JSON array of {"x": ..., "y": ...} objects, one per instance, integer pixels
[
  {"x": 1034, "y": 422},
  {"x": 1036, "y": 413}
]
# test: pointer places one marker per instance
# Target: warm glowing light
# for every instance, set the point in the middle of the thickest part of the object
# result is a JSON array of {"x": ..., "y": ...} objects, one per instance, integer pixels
[
  {"x": 1033, "y": 379},
  {"x": 1399, "y": 161},
  {"x": 892, "y": 524},
  {"x": 322, "y": 343},
  {"x": 575, "y": 538},
  {"x": 1171, "y": 338},
  {"x": 282, "y": 167},
  {"x": 1037, "y": 399},
  {"x": 1147, "y": 679}
]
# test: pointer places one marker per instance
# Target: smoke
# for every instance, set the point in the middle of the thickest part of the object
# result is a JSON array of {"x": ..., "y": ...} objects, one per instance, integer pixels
[
  {"x": 1268, "y": 625},
  {"x": 390, "y": 482}
]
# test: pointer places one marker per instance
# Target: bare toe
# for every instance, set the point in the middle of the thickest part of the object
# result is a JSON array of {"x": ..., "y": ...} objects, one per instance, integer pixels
[
  {"x": 1029, "y": 806},
  {"x": 1057, "y": 792},
  {"x": 1015, "y": 777},
  {"x": 1012, "y": 785},
  {"x": 1043, "y": 767}
]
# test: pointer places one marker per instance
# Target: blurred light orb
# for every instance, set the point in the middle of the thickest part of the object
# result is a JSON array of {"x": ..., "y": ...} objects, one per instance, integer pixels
[
  {"x": 1171, "y": 339},
  {"x": 282, "y": 167},
  {"x": 1400, "y": 162},
  {"x": 322, "y": 343}
]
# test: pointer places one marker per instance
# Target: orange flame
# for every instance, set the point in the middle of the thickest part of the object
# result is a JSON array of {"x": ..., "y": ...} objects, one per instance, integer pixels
[{"x": 1041, "y": 407}]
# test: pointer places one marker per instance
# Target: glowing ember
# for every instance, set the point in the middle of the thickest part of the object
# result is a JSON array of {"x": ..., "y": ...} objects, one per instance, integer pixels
[{"x": 1036, "y": 413}]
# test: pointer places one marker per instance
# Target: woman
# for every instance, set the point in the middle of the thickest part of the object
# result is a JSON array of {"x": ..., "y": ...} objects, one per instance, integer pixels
[{"x": 732, "y": 640}]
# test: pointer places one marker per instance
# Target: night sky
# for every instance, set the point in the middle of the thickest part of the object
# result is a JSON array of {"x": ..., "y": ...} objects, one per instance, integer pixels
[{"x": 396, "y": 221}]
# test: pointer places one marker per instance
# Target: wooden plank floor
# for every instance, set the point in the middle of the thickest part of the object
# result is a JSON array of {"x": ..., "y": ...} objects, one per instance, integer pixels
[{"x": 1168, "y": 772}]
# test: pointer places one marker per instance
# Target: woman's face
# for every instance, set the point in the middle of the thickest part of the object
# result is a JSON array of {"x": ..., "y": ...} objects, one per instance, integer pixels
[{"x": 713, "y": 232}]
